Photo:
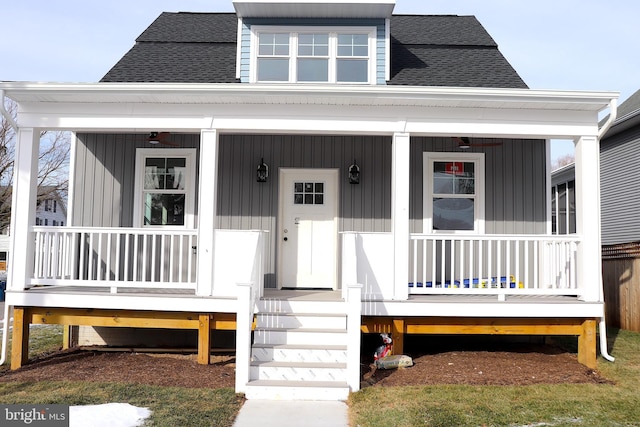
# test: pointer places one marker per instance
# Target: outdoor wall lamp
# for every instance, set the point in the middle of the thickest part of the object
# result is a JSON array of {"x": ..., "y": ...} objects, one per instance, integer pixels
[
  {"x": 263, "y": 172},
  {"x": 354, "y": 173}
]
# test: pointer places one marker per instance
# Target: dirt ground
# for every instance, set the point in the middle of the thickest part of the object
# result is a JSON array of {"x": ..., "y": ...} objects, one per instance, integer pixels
[{"x": 485, "y": 364}]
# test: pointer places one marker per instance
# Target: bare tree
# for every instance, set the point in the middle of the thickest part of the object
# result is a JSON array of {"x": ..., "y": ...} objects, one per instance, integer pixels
[
  {"x": 53, "y": 162},
  {"x": 565, "y": 160}
]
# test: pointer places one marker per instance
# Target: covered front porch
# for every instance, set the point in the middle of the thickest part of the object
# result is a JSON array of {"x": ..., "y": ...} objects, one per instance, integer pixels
[{"x": 387, "y": 257}]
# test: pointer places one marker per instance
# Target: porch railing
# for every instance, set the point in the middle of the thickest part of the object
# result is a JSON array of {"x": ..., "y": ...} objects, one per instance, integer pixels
[
  {"x": 115, "y": 257},
  {"x": 493, "y": 264}
]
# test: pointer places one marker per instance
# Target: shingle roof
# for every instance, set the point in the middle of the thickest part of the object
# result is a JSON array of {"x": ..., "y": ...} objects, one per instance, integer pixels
[
  {"x": 426, "y": 50},
  {"x": 630, "y": 105}
]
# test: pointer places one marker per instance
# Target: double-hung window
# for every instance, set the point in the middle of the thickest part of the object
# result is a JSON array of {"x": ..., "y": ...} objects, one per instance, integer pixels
[
  {"x": 453, "y": 192},
  {"x": 313, "y": 55},
  {"x": 165, "y": 188}
]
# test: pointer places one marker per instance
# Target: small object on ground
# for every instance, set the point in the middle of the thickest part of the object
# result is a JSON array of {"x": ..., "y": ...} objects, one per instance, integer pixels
[
  {"x": 393, "y": 362},
  {"x": 385, "y": 349}
]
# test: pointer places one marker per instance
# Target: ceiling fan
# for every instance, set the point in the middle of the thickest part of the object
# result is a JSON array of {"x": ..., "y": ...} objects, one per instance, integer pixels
[
  {"x": 464, "y": 143},
  {"x": 160, "y": 138}
]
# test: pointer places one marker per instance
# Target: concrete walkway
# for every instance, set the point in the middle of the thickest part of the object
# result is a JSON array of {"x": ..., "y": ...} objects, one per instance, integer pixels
[{"x": 285, "y": 413}]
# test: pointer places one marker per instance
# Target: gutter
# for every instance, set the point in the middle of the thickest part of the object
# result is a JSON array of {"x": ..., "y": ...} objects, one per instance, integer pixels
[
  {"x": 6, "y": 114},
  {"x": 613, "y": 114},
  {"x": 613, "y": 106}
]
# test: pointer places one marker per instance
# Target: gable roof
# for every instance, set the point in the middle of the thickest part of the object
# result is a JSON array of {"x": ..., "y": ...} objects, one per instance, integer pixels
[{"x": 427, "y": 50}]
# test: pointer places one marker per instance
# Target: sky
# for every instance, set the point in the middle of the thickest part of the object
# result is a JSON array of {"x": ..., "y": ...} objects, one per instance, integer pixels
[{"x": 553, "y": 44}]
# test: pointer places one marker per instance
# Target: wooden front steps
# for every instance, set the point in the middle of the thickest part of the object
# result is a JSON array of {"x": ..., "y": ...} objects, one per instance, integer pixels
[{"x": 299, "y": 355}]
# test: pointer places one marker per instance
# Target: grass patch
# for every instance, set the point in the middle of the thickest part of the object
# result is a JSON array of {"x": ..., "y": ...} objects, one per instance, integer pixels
[
  {"x": 170, "y": 406},
  {"x": 548, "y": 405},
  {"x": 429, "y": 406}
]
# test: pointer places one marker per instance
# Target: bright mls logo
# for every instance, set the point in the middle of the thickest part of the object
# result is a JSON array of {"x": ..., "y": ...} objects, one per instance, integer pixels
[{"x": 34, "y": 415}]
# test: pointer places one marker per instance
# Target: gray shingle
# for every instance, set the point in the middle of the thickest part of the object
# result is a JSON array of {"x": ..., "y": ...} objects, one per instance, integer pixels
[{"x": 427, "y": 50}]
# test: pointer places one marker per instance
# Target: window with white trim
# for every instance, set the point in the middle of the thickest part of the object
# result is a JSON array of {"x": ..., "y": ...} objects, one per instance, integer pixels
[
  {"x": 453, "y": 192},
  {"x": 313, "y": 55},
  {"x": 165, "y": 188}
]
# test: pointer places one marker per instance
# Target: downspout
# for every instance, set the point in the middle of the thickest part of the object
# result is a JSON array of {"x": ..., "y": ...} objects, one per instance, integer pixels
[
  {"x": 6, "y": 114},
  {"x": 5, "y": 325},
  {"x": 613, "y": 112}
]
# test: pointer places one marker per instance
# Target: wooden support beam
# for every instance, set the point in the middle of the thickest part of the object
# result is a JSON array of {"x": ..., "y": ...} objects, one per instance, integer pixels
[
  {"x": 66, "y": 337},
  {"x": 223, "y": 321},
  {"x": 20, "y": 340},
  {"x": 113, "y": 318},
  {"x": 398, "y": 336},
  {"x": 204, "y": 339},
  {"x": 584, "y": 329},
  {"x": 587, "y": 344},
  {"x": 202, "y": 322}
]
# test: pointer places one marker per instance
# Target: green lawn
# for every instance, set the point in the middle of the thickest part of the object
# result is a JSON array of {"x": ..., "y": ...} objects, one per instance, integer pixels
[
  {"x": 536, "y": 405},
  {"x": 170, "y": 406}
]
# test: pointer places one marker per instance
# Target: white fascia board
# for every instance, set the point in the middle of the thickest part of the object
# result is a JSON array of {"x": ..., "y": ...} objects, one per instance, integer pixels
[
  {"x": 122, "y": 302},
  {"x": 328, "y": 118},
  {"x": 184, "y": 93},
  {"x": 484, "y": 309},
  {"x": 314, "y": 8}
]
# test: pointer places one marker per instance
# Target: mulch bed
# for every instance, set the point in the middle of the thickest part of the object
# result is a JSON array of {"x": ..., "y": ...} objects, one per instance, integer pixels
[{"x": 492, "y": 365}]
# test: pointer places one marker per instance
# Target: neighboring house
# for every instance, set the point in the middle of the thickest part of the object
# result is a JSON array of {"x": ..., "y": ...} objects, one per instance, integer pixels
[
  {"x": 620, "y": 234},
  {"x": 50, "y": 210},
  {"x": 324, "y": 169},
  {"x": 51, "y": 207},
  {"x": 619, "y": 175},
  {"x": 563, "y": 200}
]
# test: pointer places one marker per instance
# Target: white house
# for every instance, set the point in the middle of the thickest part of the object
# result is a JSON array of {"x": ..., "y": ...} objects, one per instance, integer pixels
[{"x": 311, "y": 171}]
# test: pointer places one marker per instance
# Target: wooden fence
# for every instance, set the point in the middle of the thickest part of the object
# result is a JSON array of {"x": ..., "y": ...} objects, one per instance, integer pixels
[{"x": 621, "y": 279}]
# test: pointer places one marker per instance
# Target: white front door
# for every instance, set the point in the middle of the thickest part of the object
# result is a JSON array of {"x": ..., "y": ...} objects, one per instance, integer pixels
[{"x": 308, "y": 228}]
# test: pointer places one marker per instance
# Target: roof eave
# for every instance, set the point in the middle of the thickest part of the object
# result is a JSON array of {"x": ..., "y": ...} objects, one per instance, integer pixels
[
  {"x": 91, "y": 93},
  {"x": 314, "y": 8}
]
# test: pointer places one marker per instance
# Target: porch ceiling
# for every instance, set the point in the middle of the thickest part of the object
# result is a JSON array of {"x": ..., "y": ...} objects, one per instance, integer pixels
[{"x": 382, "y": 96}]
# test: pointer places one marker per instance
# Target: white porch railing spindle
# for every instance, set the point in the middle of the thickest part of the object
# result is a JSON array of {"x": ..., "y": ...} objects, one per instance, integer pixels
[
  {"x": 494, "y": 264},
  {"x": 414, "y": 263},
  {"x": 443, "y": 266},
  {"x": 136, "y": 256},
  {"x": 112, "y": 257},
  {"x": 107, "y": 270},
  {"x": 180, "y": 257},
  {"x": 127, "y": 256},
  {"x": 433, "y": 263},
  {"x": 117, "y": 274}
]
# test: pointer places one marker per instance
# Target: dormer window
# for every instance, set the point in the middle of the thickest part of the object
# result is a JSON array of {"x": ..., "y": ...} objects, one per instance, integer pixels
[{"x": 313, "y": 55}]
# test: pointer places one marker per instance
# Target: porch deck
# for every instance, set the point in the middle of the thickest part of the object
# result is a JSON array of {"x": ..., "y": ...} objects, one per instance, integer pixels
[
  {"x": 422, "y": 305},
  {"x": 420, "y": 314}
]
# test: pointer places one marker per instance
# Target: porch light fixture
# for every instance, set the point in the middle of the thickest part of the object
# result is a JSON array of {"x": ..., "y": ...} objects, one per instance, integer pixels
[
  {"x": 354, "y": 173},
  {"x": 263, "y": 172}
]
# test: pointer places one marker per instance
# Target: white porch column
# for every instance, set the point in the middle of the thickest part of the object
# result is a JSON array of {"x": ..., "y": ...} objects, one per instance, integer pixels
[
  {"x": 207, "y": 208},
  {"x": 587, "y": 172},
  {"x": 400, "y": 214},
  {"x": 23, "y": 207}
]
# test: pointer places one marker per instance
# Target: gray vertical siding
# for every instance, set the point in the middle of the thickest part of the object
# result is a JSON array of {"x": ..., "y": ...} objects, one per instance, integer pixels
[
  {"x": 619, "y": 177},
  {"x": 515, "y": 181},
  {"x": 515, "y": 191},
  {"x": 104, "y": 178},
  {"x": 246, "y": 204}
]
